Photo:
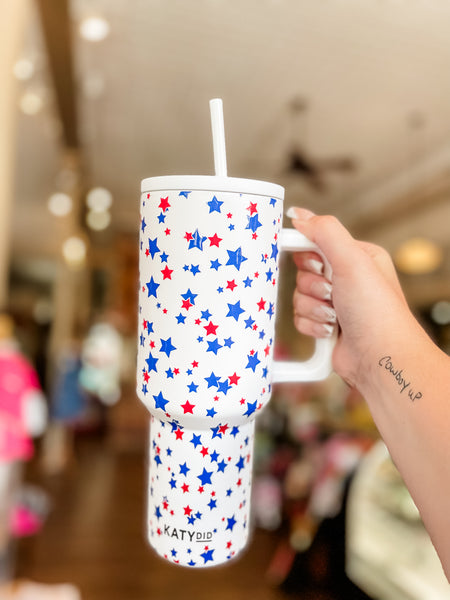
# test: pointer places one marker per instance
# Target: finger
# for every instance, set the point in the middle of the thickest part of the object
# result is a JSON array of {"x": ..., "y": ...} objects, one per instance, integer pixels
[
  {"x": 383, "y": 260},
  {"x": 309, "y": 261},
  {"x": 311, "y": 284},
  {"x": 313, "y": 309},
  {"x": 312, "y": 328}
]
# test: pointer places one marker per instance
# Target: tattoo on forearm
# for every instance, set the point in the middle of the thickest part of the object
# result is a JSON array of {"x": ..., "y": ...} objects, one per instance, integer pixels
[{"x": 403, "y": 383}]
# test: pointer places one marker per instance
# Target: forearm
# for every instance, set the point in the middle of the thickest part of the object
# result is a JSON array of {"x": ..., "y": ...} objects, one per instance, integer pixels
[{"x": 407, "y": 387}]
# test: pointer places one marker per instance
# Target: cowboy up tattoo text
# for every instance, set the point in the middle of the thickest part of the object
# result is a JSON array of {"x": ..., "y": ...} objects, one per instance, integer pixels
[{"x": 404, "y": 385}]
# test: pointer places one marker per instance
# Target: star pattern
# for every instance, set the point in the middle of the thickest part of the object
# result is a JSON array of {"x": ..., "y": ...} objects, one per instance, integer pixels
[{"x": 206, "y": 308}]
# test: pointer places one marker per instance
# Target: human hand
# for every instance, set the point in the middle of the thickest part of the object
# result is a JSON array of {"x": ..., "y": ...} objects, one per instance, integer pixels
[{"x": 363, "y": 298}]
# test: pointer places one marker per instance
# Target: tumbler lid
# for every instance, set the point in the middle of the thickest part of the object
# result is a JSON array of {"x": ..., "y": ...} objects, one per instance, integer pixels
[
  {"x": 213, "y": 184},
  {"x": 199, "y": 491}
]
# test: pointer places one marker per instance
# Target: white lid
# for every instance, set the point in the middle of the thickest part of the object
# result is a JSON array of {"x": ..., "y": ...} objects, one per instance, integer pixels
[{"x": 212, "y": 183}]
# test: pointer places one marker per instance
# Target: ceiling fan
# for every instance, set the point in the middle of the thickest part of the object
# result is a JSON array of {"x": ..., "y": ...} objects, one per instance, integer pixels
[{"x": 301, "y": 164}]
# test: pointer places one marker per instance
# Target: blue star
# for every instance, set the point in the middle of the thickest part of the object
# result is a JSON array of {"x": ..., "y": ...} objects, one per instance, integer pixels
[
  {"x": 152, "y": 286},
  {"x": 216, "y": 433},
  {"x": 161, "y": 218},
  {"x": 144, "y": 389},
  {"x": 192, "y": 387},
  {"x": 214, "y": 205},
  {"x": 249, "y": 323},
  {"x": 234, "y": 431},
  {"x": 215, "y": 264},
  {"x": 273, "y": 201},
  {"x": 231, "y": 227},
  {"x": 191, "y": 519},
  {"x": 236, "y": 258},
  {"x": 240, "y": 463},
  {"x": 221, "y": 466},
  {"x": 251, "y": 408},
  {"x": 235, "y": 310},
  {"x": 151, "y": 362},
  {"x": 253, "y": 223},
  {"x": 185, "y": 194},
  {"x": 207, "y": 555},
  {"x": 143, "y": 224},
  {"x": 262, "y": 334},
  {"x": 184, "y": 469},
  {"x": 197, "y": 240},
  {"x": 191, "y": 563},
  {"x": 160, "y": 401},
  {"x": 164, "y": 257},
  {"x": 158, "y": 514},
  {"x": 214, "y": 456},
  {"x": 253, "y": 362},
  {"x": 220, "y": 290},
  {"x": 270, "y": 311},
  {"x": 142, "y": 339},
  {"x": 158, "y": 460},
  {"x": 205, "y": 476},
  {"x": 186, "y": 268},
  {"x": 169, "y": 373},
  {"x": 248, "y": 282},
  {"x": 172, "y": 483},
  {"x": 180, "y": 319},
  {"x": 149, "y": 327},
  {"x": 195, "y": 269},
  {"x": 173, "y": 552},
  {"x": 211, "y": 412},
  {"x": 196, "y": 440},
  {"x": 214, "y": 346},
  {"x": 212, "y": 380},
  {"x": 269, "y": 274},
  {"x": 265, "y": 372},
  {"x": 231, "y": 523},
  {"x": 189, "y": 296},
  {"x": 274, "y": 251},
  {"x": 166, "y": 346},
  {"x": 224, "y": 386},
  {"x": 228, "y": 342},
  {"x": 206, "y": 314},
  {"x": 212, "y": 503},
  {"x": 153, "y": 247},
  {"x": 229, "y": 492}
]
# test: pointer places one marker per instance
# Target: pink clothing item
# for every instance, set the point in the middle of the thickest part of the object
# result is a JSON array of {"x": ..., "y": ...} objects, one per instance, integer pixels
[{"x": 17, "y": 380}]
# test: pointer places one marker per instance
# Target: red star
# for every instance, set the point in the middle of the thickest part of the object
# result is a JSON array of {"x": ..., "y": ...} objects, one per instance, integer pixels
[
  {"x": 255, "y": 327},
  {"x": 210, "y": 328},
  {"x": 167, "y": 231},
  {"x": 223, "y": 428},
  {"x": 214, "y": 240},
  {"x": 187, "y": 510},
  {"x": 146, "y": 376},
  {"x": 194, "y": 364},
  {"x": 187, "y": 304},
  {"x": 144, "y": 324},
  {"x": 188, "y": 236},
  {"x": 204, "y": 451},
  {"x": 176, "y": 371},
  {"x": 201, "y": 489},
  {"x": 229, "y": 545},
  {"x": 158, "y": 531},
  {"x": 231, "y": 285},
  {"x": 164, "y": 204},
  {"x": 197, "y": 321},
  {"x": 233, "y": 378},
  {"x": 165, "y": 505},
  {"x": 188, "y": 408},
  {"x": 148, "y": 196},
  {"x": 152, "y": 344},
  {"x": 229, "y": 215},
  {"x": 239, "y": 482},
  {"x": 267, "y": 350},
  {"x": 256, "y": 274},
  {"x": 185, "y": 488},
  {"x": 252, "y": 208},
  {"x": 254, "y": 236},
  {"x": 261, "y": 304},
  {"x": 179, "y": 434},
  {"x": 242, "y": 400},
  {"x": 167, "y": 273},
  {"x": 147, "y": 252}
]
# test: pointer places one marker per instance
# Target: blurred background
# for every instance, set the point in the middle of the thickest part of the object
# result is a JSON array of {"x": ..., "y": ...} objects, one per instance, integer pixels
[{"x": 345, "y": 104}]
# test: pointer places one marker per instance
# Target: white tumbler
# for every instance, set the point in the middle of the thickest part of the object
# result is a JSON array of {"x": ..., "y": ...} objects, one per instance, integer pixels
[{"x": 209, "y": 268}]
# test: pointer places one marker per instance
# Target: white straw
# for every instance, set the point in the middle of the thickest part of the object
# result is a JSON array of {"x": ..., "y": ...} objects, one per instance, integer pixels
[{"x": 218, "y": 134}]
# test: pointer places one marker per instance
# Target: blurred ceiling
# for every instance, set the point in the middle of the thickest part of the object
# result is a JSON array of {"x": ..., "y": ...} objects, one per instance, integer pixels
[{"x": 346, "y": 104}]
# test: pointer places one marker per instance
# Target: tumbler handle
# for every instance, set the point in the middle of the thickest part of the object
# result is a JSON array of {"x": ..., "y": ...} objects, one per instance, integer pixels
[{"x": 319, "y": 366}]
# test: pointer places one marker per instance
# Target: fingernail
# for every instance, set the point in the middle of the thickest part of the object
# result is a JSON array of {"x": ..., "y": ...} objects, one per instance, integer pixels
[
  {"x": 291, "y": 212},
  {"x": 322, "y": 289},
  {"x": 316, "y": 266},
  {"x": 323, "y": 329},
  {"x": 326, "y": 313}
]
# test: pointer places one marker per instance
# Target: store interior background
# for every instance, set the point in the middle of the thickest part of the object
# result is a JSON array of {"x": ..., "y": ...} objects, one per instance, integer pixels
[{"x": 344, "y": 104}]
